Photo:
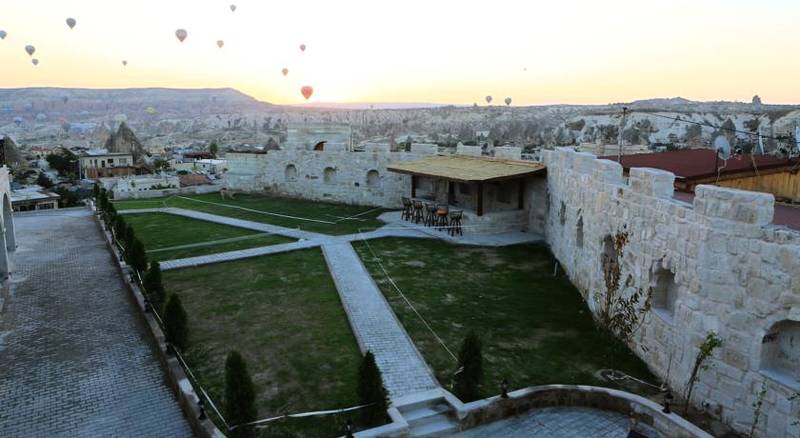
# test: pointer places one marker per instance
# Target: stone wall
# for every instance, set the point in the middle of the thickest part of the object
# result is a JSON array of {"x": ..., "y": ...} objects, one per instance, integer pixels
[
  {"x": 715, "y": 265},
  {"x": 337, "y": 176}
]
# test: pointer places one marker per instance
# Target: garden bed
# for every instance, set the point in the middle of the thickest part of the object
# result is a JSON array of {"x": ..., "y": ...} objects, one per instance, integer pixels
[
  {"x": 535, "y": 327},
  {"x": 168, "y": 237},
  {"x": 315, "y": 216},
  {"x": 283, "y": 314}
]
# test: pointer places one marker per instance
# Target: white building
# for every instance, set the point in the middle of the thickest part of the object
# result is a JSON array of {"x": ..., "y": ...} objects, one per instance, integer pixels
[
  {"x": 99, "y": 163},
  {"x": 210, "y": 165},
  {"x": 140, "y": 183},
  {"x": 33, "y": 198}
]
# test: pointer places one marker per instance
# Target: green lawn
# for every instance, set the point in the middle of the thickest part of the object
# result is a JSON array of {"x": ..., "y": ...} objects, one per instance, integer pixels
[
  {"x": 535, "y": 328},
  {"x": 283, "y": 314},
  {"x": 160, "y": 231},
  {"x": 336, "y": 218}
]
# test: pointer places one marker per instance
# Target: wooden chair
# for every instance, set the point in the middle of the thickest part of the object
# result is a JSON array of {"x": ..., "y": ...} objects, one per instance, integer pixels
[
  {"x": 442, "y": 210},
  {"x": 407, "y": 209},
  {"x": 455, "y": 222},
  {"x": 418, "y": 216}
]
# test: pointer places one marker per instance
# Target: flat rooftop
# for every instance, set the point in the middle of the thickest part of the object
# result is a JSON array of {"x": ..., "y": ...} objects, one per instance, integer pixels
[{"x": 468, "y": 169}]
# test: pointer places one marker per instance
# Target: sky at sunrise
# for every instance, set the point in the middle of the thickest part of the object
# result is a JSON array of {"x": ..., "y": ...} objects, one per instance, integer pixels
[{"x": 442, "y": 51}]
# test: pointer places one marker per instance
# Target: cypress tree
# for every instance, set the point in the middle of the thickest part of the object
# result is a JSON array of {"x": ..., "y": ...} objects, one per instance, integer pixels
[
  {"x": 119, "y": 228},
  {"x": 371, "y": 392},
  {"x": 175, "y": 325},
  {"x": 240, "y": 396},
  {"x": 95, "y": 191},
  {"x": 153, "y": 284},
  {"x": 470, "y": 360},
  {"x": 127, "y": 238},
  {"x": 138, "y": 257}
]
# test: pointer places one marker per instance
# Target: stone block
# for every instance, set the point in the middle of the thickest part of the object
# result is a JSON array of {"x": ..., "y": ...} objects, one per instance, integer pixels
[
  {"x": 652, "y": 182},
  {"x": 583, "y": 161},
  {"x": 474, "y": 151},
  {"x": 734, "y": 205},
  {"x": 606, "y": 171}
]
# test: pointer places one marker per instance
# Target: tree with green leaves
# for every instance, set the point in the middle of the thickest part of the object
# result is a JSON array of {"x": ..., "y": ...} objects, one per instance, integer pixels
[
  {"x": 96, "y": 191},
  {"x": 213, "y": 148},
  {"x": 470, "y": 361},
  {"x": 63, "y": 161},
  {"x": 153, "y": 284},
  {"x": 710, "y": 343},
  {"x": 175, "y": 322},
  {"x": 240, "y": 395},
  {"x": 119, "y": 227},
  {"x": 44, "y": 181},
  {"x": 138, "y": 257},
  {"x": 127, "y": 238},
  {"x": 371, "y": 392}
]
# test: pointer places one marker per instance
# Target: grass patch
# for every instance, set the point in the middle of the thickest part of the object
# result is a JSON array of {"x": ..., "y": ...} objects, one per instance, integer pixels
[
  {"x": 161, "y": 230},
  {"x": 283, "y": 314},
  {"x": 323, "y": 211},
  {"x": 535, "y": 328}
]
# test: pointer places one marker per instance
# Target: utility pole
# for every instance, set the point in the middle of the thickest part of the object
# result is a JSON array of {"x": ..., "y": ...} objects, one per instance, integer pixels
[{"x": 619, "y": 134}]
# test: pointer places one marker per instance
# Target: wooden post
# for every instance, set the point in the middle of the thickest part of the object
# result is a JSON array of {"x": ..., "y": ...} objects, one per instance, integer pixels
[
  {"x": 480, "y": 199},
  {"x": 413, "y": 186},
  {"x": 451, "y": 192},
  {"x": 521, "y": 198}
]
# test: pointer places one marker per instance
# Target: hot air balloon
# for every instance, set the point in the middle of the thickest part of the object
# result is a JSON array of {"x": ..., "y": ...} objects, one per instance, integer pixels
[
  {"x": 65, "y": 99},
  {"x": 71, "y": 23},
  {"x": 150, "y": 110},
  {"x": 285, "y": 71},
  {"x": 302, "y": 47},
  {"x": 17, "y": 121},
  {"x": 488, "y": 99},
  {"x": 181, "y": 34},
  {"x": 30, "y": 49},
  {"x": 124, "y": 63},
  {"x": 508, "y": 101},
  {"x": 220, "y": 43},
  {"x": 307, "y": 91},
  {"x": 3, "y": 34},
  {"x": 35, "y": 62},
  {"x": 233, "y": 8}
]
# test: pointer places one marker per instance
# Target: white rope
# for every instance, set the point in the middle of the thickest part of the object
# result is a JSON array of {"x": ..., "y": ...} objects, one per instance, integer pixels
[
  {"x": 397, "y": 288},
  {"x": 359, "y": 214},
  {"x": 197, "y": 383},
  {"x": 210, "y": 242},
  {"x": 258, "y": 211},
  {"x": 300, "y": 415}
]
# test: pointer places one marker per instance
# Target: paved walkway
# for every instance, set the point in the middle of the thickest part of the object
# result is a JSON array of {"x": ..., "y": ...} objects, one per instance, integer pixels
[
  {"x": 375, "y": 325},
  {"x": 559, "y": 422},
  {"x": 75, "y": 359}
]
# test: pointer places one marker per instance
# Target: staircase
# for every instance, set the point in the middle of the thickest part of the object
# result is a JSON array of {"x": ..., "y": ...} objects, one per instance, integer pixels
[{"x": 429, "y": 418}]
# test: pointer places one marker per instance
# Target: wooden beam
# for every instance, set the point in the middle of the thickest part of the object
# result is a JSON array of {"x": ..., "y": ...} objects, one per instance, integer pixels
[
  {"x": 480, "y": 199},
  {"x": 413, "y": 186},
  {"x": 521, "y": 196}
]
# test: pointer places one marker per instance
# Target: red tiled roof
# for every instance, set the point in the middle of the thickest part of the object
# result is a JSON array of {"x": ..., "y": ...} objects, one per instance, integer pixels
[
  {"x": 695, "y": 164},
  {"x": 193, "y": 180}
]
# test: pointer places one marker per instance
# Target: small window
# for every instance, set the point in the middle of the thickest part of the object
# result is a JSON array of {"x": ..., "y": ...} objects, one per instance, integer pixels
[
  {"x": 110, "y": 161},
  {"x": 290, "y": 173},
  {"x": 329, "y": 175},
  {"x": 373, "y": 178},
  {"x": 665, "y": 294},
  {"x": 780, "y": 353}
]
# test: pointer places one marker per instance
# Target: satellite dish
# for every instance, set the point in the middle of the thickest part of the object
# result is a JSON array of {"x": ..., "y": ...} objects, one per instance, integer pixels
[{"x": 723, "y": 147}]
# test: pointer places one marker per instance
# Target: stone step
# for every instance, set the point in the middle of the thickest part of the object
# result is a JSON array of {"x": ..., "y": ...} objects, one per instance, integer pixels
[
  {"x": 442, "y": 426},
  {"x": 417, "y": 415}
]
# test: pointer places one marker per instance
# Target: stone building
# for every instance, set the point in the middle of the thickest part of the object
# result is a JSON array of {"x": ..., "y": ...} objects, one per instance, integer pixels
[{"x": 8, "y": 243}]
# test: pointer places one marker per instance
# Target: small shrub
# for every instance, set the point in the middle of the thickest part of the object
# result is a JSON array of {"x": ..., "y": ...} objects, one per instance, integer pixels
[
  {"x": 138, "y": 258},
  {"x": 371, "y": 392},
  {"x": 470, "y": 360},
  {"x": 175, "y": 322},
  {"x": 240, "y": 396},
  {"x": 153, "y": 284}
]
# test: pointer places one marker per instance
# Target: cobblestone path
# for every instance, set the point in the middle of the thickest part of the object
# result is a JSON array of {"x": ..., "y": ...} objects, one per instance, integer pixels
[
  {"x": 557, "y": 422},
  {"x": 75, "y": 359}
]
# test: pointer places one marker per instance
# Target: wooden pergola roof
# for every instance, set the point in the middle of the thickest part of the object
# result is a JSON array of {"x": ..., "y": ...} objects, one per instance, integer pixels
[{"x": 468, "y": 169}]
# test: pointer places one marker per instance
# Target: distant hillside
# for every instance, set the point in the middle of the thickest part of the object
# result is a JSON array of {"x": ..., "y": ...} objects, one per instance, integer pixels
[{"x": 79, "y": 104}]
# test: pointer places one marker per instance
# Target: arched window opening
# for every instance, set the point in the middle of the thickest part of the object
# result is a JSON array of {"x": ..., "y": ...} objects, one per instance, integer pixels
[
  {"x": 373, "y": 178},
  {"x": 579, "y": 233},
  {"x": 780, "y": 353},
  {"x": 665, "y": 294},
  {"x": 291, "y": 173},
  {"x": 329, "y": 175}
]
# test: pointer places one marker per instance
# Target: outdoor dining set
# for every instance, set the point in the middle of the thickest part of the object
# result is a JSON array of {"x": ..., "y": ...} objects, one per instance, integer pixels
[{"x": 432, "y": 214}]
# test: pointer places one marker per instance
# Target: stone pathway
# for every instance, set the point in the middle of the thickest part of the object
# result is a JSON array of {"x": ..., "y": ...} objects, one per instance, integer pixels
[
  {"x": 237, "y": 255},
  {"x": 375, "y": 325},
  {"x": 75, "y": 356},
  {"x": 557, "y": 422}
]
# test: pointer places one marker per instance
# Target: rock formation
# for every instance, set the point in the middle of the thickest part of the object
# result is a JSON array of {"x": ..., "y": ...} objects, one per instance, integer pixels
[{"x": 125, "y": 141}]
